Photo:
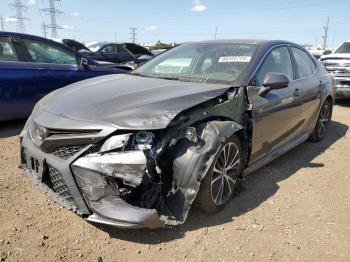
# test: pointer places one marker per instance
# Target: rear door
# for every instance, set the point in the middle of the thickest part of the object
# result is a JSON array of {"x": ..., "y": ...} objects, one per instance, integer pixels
[
  {"x": 310, "y": 87},
  {"x": 15, "y": 77},
  {"x": 276, "y": 115}
]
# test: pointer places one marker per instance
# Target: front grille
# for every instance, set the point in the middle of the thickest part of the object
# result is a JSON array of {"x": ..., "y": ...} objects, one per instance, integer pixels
[
  {"x": 58, "y": 185},
  {"x": 345, "y": 83},
  {"x": 66, "y": 152}
]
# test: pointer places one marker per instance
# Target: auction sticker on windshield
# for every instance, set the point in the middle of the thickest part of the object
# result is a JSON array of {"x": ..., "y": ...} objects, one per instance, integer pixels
[{"x": 230, "y": 59}]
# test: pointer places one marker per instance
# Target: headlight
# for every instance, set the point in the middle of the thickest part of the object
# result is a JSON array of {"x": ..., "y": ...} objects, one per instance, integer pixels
[
  {"x": 143, "y": 140},
  {"x": 116, "y": 142},
  {"x": 37, "y": 133}
]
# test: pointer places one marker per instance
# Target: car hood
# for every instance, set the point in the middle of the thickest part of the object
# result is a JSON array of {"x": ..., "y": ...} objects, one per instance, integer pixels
[{"x": 128, "y": 101}]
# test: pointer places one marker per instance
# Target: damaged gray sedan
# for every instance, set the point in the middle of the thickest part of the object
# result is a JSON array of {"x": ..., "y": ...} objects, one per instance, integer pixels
[{"x": 138, "y": 150}]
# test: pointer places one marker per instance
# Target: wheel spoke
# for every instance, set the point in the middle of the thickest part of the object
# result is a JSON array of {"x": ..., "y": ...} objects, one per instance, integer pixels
[
  {"x": 213, "y": 181},
  {"x": 228, "y": 178},
  {"x": 222, "y": 190},
  {"x": 232, "y": 163},
  {"x": 228, "y": 184},
  {"x": 216, "y": 169}
]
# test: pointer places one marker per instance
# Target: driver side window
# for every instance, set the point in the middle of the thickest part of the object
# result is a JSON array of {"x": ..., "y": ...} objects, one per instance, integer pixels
[
  {"x": 277, "y": 61},
  {"x": 42, "y": 52}
]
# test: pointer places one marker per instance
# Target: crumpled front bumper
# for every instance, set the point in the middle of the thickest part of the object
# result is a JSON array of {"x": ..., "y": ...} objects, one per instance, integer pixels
[{"x": 108, "y": 209}]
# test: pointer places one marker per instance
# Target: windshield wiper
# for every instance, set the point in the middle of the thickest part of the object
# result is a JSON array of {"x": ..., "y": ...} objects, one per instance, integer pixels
[
  {"x": 169, "y": 78},
  {"x": 138, "y": 74}
]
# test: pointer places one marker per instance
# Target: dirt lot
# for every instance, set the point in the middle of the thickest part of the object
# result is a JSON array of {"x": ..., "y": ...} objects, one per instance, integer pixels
[{"x": 295, "y": 209}]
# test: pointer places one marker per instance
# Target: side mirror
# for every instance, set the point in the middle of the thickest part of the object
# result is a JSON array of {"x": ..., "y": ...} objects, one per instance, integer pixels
[
  {"x": 84, "y": 63},
  {"x": 273, "y": 81},
  {"x": 327, "y": 52}
]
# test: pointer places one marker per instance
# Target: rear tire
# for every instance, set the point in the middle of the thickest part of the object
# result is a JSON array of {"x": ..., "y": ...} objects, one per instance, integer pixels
[
  {"x": 322, "y": 122},
  {"x": 220, "y": 183}
]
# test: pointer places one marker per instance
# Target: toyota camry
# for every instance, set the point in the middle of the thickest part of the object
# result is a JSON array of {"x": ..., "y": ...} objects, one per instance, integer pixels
[{"x": 139, "y": 150}]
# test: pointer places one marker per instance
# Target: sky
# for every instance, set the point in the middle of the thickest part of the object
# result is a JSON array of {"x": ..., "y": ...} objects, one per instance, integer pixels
[{"x": 299, "y": 21}]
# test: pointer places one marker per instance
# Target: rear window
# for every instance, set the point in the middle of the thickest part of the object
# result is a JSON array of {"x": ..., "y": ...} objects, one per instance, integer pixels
[{"x": 304, "y": 65}]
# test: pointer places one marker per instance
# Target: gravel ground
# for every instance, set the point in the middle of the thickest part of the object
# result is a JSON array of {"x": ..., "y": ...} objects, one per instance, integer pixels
[{"x": 295, "y": 209}]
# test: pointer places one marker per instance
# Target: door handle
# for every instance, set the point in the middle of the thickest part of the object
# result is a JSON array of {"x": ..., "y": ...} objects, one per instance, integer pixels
[{"x": 297, "y": 92}]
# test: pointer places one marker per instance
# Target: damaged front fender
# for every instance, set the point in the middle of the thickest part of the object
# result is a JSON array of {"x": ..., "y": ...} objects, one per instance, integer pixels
[
  {"x": 192, "y": 165},
  {"x": 110, "y": 182}
]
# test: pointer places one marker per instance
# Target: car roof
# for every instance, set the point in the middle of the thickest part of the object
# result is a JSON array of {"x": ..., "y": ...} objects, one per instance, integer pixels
[
  {"x": 39, "y": 38},
  {"x": 243, "y": 41},
  {"x": 7, "y": 33}
]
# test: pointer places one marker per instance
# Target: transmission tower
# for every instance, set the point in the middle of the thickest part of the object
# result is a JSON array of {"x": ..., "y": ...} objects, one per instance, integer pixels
[
  {"x": 2, "y": 23},
  {"x": 19, "y": 8},
  {"x": 53, "y": 12},
  {"x": 133, "y": 34},
  {"x": 325, "y": 36},
  {"x": 44, "y": 28}
]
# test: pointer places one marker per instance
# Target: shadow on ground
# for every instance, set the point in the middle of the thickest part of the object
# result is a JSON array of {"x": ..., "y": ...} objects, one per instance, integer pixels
[
  {"x": 11, "y": 128},
  {"x": 258, "y": 187},
  {"x": 343, "y": 102}
]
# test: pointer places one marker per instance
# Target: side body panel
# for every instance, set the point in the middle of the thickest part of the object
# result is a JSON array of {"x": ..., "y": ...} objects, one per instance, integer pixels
[{"x": 16, "y": 100}]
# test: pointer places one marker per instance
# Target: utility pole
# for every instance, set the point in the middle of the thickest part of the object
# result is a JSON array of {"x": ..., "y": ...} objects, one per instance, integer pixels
[
  {"x": 133, "y": 34},
  {"x": 2, "y": 23},
  {"x": 53, "y": 12},
  {"x": 19, "y": 8},
  {"x": 216, "y": 32},
  {"x": 115, "y": 37},
  {"x": 325, "y": 36},
  {"x": 44, "y": 28}
]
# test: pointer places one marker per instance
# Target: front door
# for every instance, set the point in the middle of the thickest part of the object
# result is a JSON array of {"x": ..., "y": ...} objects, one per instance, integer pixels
[{"x": 276, "y": 115}]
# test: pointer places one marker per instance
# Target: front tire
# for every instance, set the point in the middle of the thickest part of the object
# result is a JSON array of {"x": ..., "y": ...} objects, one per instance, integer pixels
[
  {"x": 322, "y": 122},
  {"x": 220, "y": 182}
]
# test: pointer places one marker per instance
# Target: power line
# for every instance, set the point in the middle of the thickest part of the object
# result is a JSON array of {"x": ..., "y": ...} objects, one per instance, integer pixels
[
  {"x": 325, "y": 36},
  {"x": 133, "y": 34},
  {"x": 53, "y": 12},
  {"x": 19, "y": 8}
]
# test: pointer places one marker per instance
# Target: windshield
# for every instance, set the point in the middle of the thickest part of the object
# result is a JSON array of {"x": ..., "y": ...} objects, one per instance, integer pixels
[
  {"x": 215, "y": 63},
  {"x": 344, "y": 48}
]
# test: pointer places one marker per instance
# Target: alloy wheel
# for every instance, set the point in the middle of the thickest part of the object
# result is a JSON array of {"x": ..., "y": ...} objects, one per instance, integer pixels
[
  {"x": 225, "y": 173},
  {"x": 324, "y": 119}
]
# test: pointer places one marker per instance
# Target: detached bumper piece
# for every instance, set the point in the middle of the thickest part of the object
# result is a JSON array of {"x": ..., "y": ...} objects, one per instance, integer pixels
[
  {"x": 92, "y": 172},
  {"x": 114, "y": 211}
]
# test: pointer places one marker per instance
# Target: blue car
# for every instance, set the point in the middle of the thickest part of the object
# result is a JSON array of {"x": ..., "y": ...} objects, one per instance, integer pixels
[{"x": 32, "y": 66}]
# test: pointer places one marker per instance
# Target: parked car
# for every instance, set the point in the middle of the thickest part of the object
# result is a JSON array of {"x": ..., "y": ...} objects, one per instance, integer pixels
[
  {"x": 73, "y": 44},
  {"x": 158, "y": 51},
  {"x": 31, "y": 67},
  {"x": 338, "y": 64},
  {"x": 94, "y": 46},
  {"x": 141, "y": 156},
  {"x": 119, "y": 53}
]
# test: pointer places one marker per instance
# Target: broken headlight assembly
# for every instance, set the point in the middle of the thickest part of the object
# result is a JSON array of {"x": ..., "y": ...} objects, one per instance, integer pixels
[
  {"x": 112, "y": 176},
  {"x": 115, "y": 142},
  {"x": 121, "y": 160}
]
